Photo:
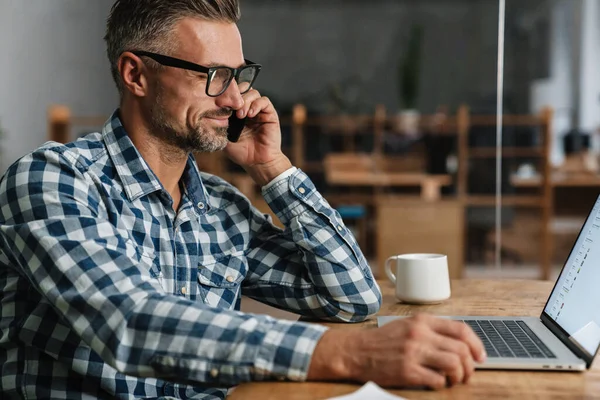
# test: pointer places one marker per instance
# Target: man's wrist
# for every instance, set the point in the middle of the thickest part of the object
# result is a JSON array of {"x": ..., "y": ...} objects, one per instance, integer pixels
[
  {"x": 265, "y": 173},
  {"x": 333, "y": 357}
]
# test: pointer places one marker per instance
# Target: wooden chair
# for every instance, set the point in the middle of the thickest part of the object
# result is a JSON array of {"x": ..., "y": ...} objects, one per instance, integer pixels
[{"x": 61, "y": 123}]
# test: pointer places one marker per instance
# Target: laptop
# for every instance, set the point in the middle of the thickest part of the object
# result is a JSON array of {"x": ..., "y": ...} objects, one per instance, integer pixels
[{"x": 566, "y": 336}]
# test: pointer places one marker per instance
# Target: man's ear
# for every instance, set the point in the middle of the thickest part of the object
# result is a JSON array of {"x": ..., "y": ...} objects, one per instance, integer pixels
[{"x": 133, "y": 74}]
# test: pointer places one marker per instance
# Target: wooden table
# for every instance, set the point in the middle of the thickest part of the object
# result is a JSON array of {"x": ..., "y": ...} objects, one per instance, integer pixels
[{"x": 472, "y": 297}]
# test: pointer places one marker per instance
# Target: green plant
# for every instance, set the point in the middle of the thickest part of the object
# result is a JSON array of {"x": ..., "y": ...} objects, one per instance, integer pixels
[{"x": 409, "y": 69}]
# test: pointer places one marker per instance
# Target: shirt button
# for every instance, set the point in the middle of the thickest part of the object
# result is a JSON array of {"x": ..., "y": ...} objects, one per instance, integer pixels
[
  {"x": 214, "y": 372},
  {"x": 169, "y": 360},
  {"x": 340, "y": 228},
  {"x": 183, "y": 290},
  {"x": 229, "y": 279},
  {"x": 200, "y": 205},
  {"x": 302, "y": 190}
]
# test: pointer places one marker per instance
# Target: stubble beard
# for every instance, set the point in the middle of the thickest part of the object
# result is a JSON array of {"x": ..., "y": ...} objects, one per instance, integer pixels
[{"x": 191, "y": 138}]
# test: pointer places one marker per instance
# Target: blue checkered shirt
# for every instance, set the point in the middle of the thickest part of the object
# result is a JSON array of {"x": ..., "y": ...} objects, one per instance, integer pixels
[{"x": 106, "y": 292}]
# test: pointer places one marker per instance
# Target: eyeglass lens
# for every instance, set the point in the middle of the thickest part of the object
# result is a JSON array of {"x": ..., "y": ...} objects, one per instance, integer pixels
[{"x": 221, "y": 77}]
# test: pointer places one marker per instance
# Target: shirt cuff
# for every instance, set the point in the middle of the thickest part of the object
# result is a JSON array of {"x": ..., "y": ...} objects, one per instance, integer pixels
[
  {"x": 286, "y": 351},
  {"x": 276, "y": 350},
  {"x": 282, "y": 176},
  {"x": 293, "y": 196}
]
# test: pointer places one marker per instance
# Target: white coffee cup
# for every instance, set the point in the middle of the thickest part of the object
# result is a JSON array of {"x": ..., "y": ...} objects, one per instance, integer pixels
[{"x": 419, "y": 278}]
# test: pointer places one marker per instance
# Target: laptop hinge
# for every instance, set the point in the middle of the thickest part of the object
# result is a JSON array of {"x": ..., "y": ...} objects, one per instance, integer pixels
[{"x": 563, "y": 336}]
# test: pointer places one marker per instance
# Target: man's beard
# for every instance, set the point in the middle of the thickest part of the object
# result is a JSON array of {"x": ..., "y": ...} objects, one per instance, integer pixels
[{"x": 196, "y": 138}]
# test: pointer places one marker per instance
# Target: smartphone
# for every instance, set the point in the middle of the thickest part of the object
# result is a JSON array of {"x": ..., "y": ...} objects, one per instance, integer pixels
[{"x": 236, "y": 126}]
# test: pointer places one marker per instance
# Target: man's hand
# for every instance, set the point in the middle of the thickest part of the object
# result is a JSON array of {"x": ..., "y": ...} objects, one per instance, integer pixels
[
  {"x": 416, "y": 351},
  {"x": 258, "y": 150}
]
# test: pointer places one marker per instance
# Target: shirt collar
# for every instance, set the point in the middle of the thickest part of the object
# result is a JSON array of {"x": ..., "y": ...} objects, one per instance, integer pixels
[
  {"x": 194, "y": 187},
  {"x": 137, "y": 177}
]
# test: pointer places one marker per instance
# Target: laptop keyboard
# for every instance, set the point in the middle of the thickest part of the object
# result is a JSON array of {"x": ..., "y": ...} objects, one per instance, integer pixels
[{"x": 507, "y": 338}]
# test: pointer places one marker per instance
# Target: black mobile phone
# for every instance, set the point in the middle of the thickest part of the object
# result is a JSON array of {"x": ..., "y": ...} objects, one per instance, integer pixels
[{"x": 236, "y": 126}]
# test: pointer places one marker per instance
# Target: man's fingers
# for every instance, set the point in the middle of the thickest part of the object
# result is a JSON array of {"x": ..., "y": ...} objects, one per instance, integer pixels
[
  {"x": 254, "y": 104},
  {"x": 249, "y": 98},
  {"x": 461, "y": 331},
  {"x": 426, "y": 377},
  {"x": 258, "y": 105},
  {"x": 461, "y": 349},
  {"x": 449, "y": 364}
]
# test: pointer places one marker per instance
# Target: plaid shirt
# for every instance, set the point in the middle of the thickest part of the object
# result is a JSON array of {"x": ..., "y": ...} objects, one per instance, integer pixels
[{"x": 106, "y": 292}]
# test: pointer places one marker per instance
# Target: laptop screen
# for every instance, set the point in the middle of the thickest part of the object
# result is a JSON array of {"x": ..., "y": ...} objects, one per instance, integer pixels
[{"x": 573, "y": 303}]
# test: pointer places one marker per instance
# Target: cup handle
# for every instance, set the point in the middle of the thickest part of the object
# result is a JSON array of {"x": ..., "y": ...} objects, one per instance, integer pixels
[{"x": 388, "y": 270}]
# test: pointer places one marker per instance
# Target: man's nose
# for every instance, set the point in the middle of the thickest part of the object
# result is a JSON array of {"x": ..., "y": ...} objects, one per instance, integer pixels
[{"x": 231, "y": 98}]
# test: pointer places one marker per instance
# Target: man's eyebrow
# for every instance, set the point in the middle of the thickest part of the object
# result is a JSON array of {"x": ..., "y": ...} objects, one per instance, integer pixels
[{"x": 213, "y": 64}]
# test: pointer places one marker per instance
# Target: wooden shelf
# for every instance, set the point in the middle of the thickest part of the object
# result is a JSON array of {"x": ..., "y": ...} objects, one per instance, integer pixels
[
  {"x": 531, "y": 182},
  {"x": 507, "y": 200},
  {"x": 506, "y": 152}
]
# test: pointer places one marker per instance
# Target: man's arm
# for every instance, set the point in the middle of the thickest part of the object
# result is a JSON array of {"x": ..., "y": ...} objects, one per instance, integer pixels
[
  {"x": 53, "y": 231},
  {"x": 313, "y": 267}
]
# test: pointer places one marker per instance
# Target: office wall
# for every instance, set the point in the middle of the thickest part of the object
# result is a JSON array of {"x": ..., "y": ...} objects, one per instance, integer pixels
[
  {"x": 52, "y": 52},
  {"x": 306, "y": 46}
]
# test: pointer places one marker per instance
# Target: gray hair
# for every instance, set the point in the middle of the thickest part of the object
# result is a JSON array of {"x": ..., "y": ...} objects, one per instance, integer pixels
[{"x": 147, "y": 24}]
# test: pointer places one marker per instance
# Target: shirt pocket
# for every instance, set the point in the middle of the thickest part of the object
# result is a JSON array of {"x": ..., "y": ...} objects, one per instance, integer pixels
[{"x": 220, "y": 279}]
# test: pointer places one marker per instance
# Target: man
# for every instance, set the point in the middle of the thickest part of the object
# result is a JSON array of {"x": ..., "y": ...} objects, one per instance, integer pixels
[{"x": 122, "y": 265}]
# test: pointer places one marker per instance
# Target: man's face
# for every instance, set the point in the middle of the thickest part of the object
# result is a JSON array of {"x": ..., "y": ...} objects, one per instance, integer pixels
[{"x": 177, "y": 108}]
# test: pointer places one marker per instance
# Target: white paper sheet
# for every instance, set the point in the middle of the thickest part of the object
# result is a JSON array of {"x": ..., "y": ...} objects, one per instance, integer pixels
[{"x": 370, "y": 391}]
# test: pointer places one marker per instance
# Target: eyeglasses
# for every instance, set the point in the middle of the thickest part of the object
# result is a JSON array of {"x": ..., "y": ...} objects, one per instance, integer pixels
[{"x": 219, "y": 77}]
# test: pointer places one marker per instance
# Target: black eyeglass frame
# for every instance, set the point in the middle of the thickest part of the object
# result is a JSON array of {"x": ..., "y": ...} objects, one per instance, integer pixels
[{"x": 168, "y": 61}]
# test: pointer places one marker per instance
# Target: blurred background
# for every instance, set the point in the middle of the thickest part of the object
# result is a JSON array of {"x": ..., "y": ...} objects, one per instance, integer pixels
[{"x": 389, "y": 106}]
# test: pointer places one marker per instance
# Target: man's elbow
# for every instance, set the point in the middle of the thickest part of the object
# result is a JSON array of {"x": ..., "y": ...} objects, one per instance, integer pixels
[
  {"x": 370, "y": 307},
  {"x": 358, "y": 310}
]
